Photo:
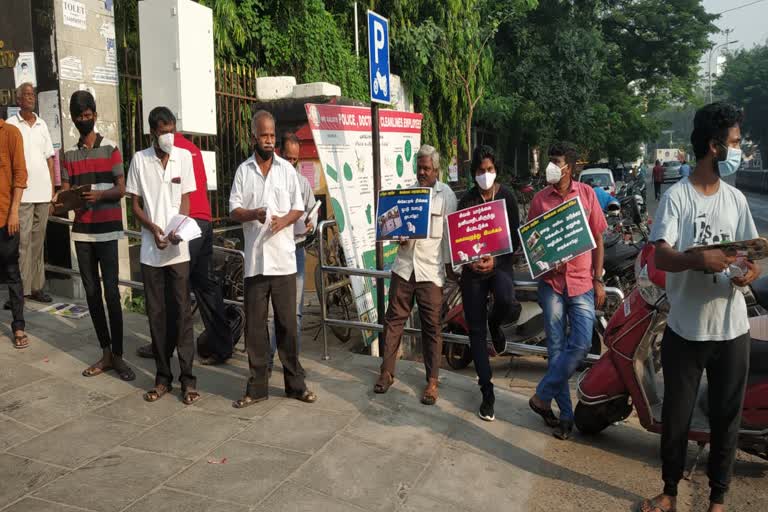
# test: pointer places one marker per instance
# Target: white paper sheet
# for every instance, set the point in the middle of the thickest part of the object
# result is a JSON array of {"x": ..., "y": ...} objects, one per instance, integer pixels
[{"x": 185, "y": 227}]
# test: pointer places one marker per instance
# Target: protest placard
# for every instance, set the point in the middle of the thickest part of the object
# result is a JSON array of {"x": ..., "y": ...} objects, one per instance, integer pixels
[
  {"x": 478, "y": 231},
  {"x": 403, "y": 213},
  {"x": 556, "y": 236}
]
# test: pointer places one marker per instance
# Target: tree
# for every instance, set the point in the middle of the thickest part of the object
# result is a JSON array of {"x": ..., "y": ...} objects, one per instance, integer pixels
[{"x": 744, "y": 81}]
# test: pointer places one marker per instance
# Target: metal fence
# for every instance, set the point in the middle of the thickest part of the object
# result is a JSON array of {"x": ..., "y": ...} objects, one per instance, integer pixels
[{"x": 235, "y": 95}]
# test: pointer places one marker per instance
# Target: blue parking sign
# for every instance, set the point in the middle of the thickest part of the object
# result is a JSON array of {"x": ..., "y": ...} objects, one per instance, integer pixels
[{"x": 378, "y": 58}]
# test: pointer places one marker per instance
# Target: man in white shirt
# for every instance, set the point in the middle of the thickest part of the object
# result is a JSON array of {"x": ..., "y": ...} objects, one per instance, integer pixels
[
  {"x": 266, "y": 199},
  {"x": 419, "y": 272},
  {"x": 36, "y": 201},
  {"x": 160, "y": 180}
]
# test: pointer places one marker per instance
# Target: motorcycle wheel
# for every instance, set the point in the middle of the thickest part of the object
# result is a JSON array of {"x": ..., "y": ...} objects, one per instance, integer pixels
[
  {"x": 593, "y": 419},
  {"x": 458, "y": 356}
]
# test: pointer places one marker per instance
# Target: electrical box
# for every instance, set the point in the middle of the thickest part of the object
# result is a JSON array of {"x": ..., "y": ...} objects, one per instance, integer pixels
[
  {"x": 177, "y": 66},
  {"x": 209, "y": 161}
]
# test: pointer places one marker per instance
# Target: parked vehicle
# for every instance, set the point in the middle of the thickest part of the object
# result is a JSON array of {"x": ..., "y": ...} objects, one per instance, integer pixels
[
  {"x": 671, "y": 171},
  {"x": 601, "y": 177},
  {"x": 628, "y": 374}
]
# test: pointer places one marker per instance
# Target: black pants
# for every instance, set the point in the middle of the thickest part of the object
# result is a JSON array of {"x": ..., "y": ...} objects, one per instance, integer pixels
[
  {"x": 208, "y": 293},
  {"x": 474, "y": 295},
  {"x": 727, "y": 366},
  {"x": 90, "y": 257},
  {"x": 10, "y": 273},
  {"x": 657, "y": 189},
  {"x": 166, "y": 291},
  {"x": 258, "y": 291}
]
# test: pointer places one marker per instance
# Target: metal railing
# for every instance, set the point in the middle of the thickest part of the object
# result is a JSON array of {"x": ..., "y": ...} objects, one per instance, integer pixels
[
  {"x": 517, "y": 348},
  {"x": 135, "y": 285}
]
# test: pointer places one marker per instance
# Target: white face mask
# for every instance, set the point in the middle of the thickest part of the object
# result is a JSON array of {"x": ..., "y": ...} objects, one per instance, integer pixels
[
  {"x": 554, "y": 173},
  {"x": 485, "y": 180},
  {"x": 165, "y": 143}
]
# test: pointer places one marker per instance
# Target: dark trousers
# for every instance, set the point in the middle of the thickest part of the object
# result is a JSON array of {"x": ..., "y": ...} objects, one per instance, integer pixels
[
  {"x": 209, "y": 295},
  {"x": 429, "y": 297},
  {"x": 474, "y": 295},
  {"x": 727, "y": 366},
  {"x": 166, "y": 291},
  {"x": 10, "y": 273},
  {"x": 657, "y": 189},
  {"x": 90, "y": 257},
  {"x": 258, "y": 292}
]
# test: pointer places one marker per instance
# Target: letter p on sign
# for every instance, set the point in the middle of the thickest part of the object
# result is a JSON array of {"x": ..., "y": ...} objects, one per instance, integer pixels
[{"x": 378, "y": 58}]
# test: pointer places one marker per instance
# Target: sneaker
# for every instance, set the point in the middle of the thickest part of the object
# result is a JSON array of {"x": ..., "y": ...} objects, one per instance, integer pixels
[{"x": 486, "y": 410}]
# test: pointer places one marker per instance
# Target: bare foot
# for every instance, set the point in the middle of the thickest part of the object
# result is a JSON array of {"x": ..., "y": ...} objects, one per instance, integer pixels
[
  {"x": 102, "y": 365},
  {"x": 716, "y": 507},
  {"x": 661, "y": 503}
]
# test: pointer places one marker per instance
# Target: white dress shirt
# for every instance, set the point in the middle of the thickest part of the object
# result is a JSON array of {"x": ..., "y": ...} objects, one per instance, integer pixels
[
  {"x": 161, "y": 190},
  {"x": 279, "y": 192},
  {"x": 426, "y": 258},
  {"x": 38, "y": 148},
  {"x": 309, "y": 201}
]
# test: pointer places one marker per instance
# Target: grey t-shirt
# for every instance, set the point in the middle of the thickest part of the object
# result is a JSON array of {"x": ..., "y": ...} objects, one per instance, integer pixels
[{"x": 704, "y": 307}]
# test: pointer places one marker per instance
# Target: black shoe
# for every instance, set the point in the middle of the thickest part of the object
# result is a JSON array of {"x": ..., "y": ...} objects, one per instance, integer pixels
[
  {"x": 211, "y": 361},
  {"x": 564, "y": 430},
  {"x": 486, "y": 408},
  {"x": 7, "y": 305},
  {"x": 145, "y": 351}
]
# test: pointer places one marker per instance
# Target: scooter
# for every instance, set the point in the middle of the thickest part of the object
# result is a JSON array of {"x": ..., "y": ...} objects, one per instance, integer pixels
[{"x": 628, "y": 374}]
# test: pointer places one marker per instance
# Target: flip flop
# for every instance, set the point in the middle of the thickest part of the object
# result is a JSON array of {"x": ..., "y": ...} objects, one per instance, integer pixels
[
  {"x": 246, "y": 401},
  {"x": 549, "y": 417},
  {"x": 156, "y": 393},
  {"x": 20, "y": 342},
  {"x": 93, "y": 371},
  {"x": 126, "y": 373},
  {"x": 191, "y": 396},
  {"x": 653, "y": 505},
  {"x": 385, "y": 382}
]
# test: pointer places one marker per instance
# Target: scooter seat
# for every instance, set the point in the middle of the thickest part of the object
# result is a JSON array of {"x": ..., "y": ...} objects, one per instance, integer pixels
[{"x": 760, "y": 290}]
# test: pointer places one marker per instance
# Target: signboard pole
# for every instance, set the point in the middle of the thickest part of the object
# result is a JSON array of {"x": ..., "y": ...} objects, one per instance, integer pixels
[{"x": 379, "y": 246}]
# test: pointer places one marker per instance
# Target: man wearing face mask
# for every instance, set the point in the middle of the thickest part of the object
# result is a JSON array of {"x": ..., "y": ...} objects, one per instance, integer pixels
[
  {"x": 568, "y": 294},
  {"x": 160, "y": 181},
  {"x": 489, "y": 275},
  {"x": 707, "y": 326},
  {"x": 419, "y": 272},
  {"x": 95, "y": 161}
]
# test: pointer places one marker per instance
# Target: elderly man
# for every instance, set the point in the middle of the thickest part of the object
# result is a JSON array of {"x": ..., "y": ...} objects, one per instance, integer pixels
[
  {"x": 36, "y": 201},
  {"x": 266, "y": 199},
  {"x": 419, "y": 272}
]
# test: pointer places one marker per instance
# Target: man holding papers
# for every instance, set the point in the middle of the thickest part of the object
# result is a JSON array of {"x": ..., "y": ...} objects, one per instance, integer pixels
[
  {"x": 160, "y": 181},
  {"x": 266, "y": 199},
  {"x": 92, "y": 175}
]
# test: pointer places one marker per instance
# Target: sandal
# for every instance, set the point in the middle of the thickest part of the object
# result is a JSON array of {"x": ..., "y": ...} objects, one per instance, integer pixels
[
  {"x": 191, "y": 396},
  {"x": 653, "y": 505},
  {"x": 94, "y": 370},
  {"x": 125, "y": 373},
  {"x": 430, "y": 393},
  {"x": 246, "y": 401},
  {"x": 20, "y": 342},
  {"x": 155, "y": 394},
  {"x": 384, "y": 383},
  {"x": 305, "y": 396},
  {"x": 549, "y": 417}
]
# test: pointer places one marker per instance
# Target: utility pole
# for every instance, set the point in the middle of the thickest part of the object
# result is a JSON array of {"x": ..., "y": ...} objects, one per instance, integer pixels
[{"x": 715, "y": 50}]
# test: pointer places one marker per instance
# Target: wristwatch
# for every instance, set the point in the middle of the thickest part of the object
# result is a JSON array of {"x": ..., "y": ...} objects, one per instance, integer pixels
[{"x": 598, "y": 280}]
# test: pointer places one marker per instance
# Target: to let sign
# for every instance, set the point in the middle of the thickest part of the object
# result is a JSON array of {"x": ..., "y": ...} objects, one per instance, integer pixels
[
  {"x": 378, "y": 58},
  {"x": 478, "y": 231},
  {"x": 555, "y": 237}
]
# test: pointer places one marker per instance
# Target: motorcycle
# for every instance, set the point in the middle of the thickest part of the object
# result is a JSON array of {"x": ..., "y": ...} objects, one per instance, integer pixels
[{"x": 628, "y": 374}]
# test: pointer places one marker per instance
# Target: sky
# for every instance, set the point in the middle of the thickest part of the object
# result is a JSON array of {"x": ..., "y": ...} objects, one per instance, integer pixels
[{"x": 748, "y": 24}]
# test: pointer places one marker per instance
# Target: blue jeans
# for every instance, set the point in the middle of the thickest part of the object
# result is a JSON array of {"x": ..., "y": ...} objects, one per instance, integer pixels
[
  {"x": 566, "y": 347},
  {"x": 299, "y": 308}
]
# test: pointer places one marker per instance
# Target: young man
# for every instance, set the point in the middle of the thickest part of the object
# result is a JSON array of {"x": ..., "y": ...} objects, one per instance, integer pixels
[
  {"x": 568, "y": 294},
  {"x": 707, "y": 328},
  {"x": 266, "y": 199},
  {"x": 96, "y": 162},
  {"x": 419, "y": 272},
  {"x": 289, "y": 150},
  {"x": 13, "y": 180},
  {"x": 36, "y": 201},
  {"x": 160, "y": 180},
  {"x": 685, "y": 169},
  {"x": 658, "y": 179}
]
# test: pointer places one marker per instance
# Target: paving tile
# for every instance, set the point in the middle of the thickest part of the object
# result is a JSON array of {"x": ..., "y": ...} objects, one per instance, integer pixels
[
  {"x": 113, "y": 481},
  {"x": 14, "y": 374},
  {"x": 168, "y": 500},
  {"x": 364, "y": 475},
  {"x": 299, "y": 428},
  {"x": 19, "y": 476},
  {"x": 340, "y": 396},
  {"x": 292, "y": 498},
  {"x": 249, "y": 473},
  {"x": 38, "y": 505},
  {"x": 49, "y": 402},
  {"x": 12, "y": 433},
  {"x": 134, "y": 409},
  {"x": 420, "y": 503},
  {"x": 73, "y": 443},
  {"x": 189, "y": 434},
  {"x": 413, "y": 430}
]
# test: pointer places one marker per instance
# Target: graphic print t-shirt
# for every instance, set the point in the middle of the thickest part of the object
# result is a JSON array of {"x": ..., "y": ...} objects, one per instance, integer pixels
[{"x": 704, "y": 307}]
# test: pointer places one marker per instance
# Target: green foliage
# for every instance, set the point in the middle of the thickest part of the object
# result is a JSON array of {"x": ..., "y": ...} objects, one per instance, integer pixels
[
  {"x": 744, "y": 81},
  {"x": 135, "y": 304}
]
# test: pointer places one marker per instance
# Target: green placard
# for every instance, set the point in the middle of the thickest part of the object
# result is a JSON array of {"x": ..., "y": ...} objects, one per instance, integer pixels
[{"x": 555, "y": 237}]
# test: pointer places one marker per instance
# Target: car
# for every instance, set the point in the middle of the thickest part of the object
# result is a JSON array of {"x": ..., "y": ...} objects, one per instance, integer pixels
[
  {"x": 671, "y": 171},
  {"x": 602, "y": 177}
]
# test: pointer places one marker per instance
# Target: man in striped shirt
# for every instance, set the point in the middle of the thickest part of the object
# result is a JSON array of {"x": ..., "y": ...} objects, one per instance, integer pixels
[{"x": 95, "y": 164}]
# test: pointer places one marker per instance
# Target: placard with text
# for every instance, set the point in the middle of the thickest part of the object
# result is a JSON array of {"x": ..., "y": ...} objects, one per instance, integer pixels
[
  {"x": 403, "y": 213},
  {"x": 478, "y": 231}
]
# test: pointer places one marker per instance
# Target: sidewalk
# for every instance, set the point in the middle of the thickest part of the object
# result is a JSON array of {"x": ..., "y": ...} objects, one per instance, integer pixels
[{"x": 72, "y": 443}]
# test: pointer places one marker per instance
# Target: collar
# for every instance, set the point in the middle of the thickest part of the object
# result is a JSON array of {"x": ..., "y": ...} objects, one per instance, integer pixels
[
  {"x": 96, "y": 143},
  {"x": 171, "y": 156},
  {"x": 554, "y": 191},
  {"x": 22, "y": 120}
]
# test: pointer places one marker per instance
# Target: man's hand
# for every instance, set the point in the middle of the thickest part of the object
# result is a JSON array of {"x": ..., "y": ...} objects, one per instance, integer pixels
[
  {"x": 92, "y": 196},
  {"x": 403, "y": 240},
  {"x": 753, "y": 272},
  {"x": 714, "y": 260},
  {"x": 13, "y": 222},
  {"x": 160, "y": 242},
  {"x": 173, "y": 238},
  {"x": 278, "y": 223},
  {"x": 483, "y": 265},
  {"x": 261, "y": 215},
  {"x": 599, "y": 294},
  {"x": 310, "y": 227}
]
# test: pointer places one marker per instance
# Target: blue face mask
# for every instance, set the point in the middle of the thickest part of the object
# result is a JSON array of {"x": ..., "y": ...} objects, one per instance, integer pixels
[{"x": 731, "y": 163}]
